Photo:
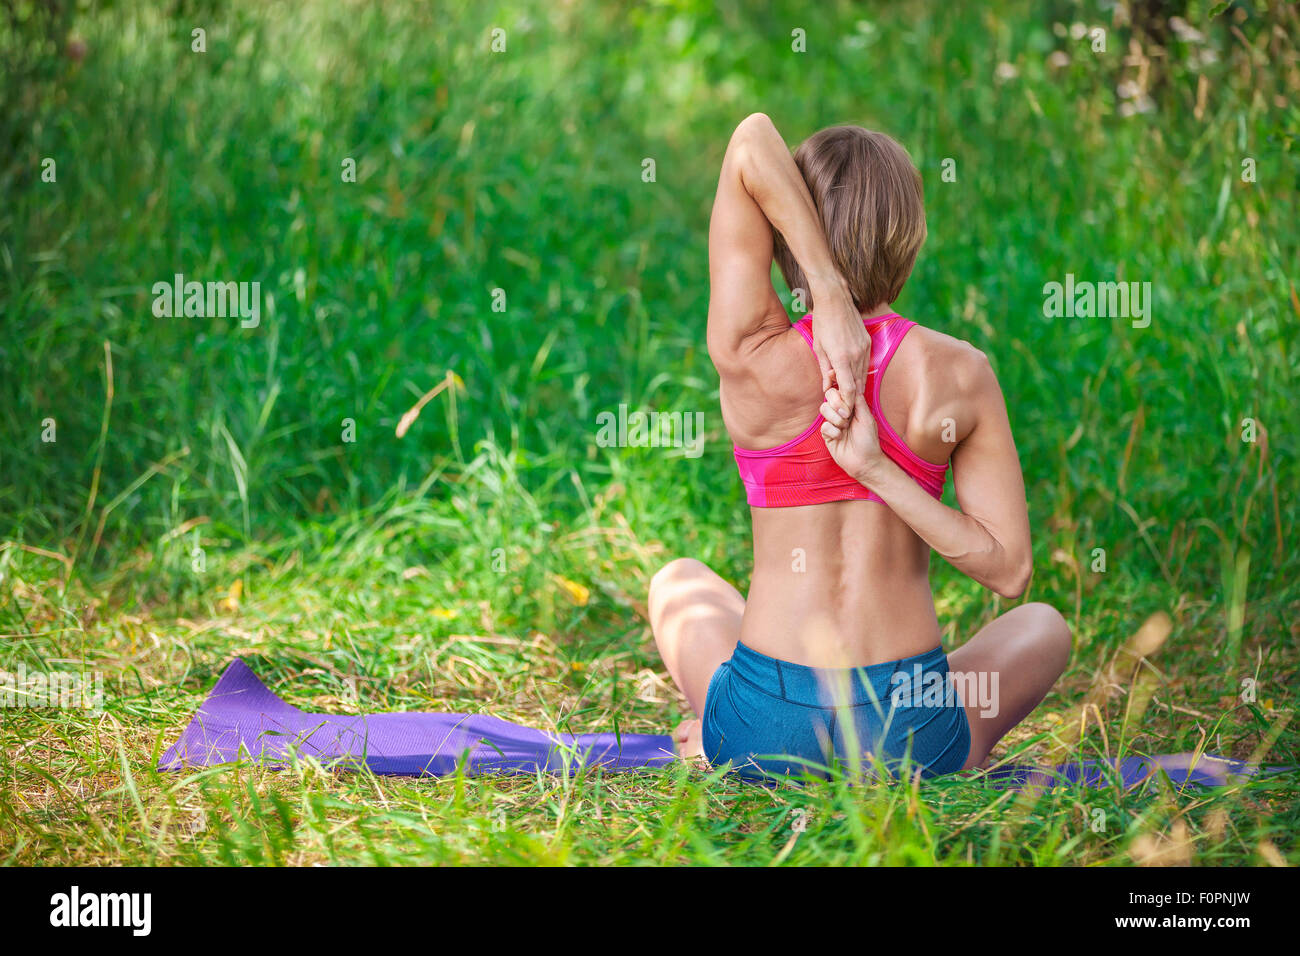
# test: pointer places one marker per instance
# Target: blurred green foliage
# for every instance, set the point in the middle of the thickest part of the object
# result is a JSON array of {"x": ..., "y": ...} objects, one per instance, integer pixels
[{"x": 521, "y": 170}]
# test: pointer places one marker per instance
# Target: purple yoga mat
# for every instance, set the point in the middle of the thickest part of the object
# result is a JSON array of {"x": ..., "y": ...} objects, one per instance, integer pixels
[{"x": 243, "y": 719}]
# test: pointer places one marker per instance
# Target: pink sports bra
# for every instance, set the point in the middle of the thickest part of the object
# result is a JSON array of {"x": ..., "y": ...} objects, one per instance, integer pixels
[{"x": 802, "y": 471}]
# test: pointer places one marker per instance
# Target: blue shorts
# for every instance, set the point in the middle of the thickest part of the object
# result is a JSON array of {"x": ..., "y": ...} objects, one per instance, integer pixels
[{"x": 773, "y": 718}]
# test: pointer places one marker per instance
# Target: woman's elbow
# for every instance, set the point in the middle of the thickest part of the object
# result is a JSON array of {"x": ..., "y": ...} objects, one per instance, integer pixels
[
  {"x": 750, "y": 132},
  {"x": 1013, "y": 583}
]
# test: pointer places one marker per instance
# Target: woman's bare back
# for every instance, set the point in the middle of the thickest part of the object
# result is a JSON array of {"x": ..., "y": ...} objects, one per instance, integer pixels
[{"x": 843, "y": 583}]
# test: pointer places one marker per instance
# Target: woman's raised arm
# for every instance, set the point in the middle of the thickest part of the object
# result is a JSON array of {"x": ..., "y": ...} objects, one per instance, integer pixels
[{"x": 760, "y": 188}]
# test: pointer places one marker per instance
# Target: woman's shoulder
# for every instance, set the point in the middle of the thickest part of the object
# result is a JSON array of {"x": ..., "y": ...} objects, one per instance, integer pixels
[
  {"x": 953, "y": 361},
  {"x": 933, "y": 378}
]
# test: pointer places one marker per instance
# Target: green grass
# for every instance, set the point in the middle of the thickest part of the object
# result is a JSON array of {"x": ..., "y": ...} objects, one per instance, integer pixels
[{"x": 371, "y": 563}]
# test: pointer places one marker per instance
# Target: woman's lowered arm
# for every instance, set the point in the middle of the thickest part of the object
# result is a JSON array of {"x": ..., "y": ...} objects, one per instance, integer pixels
[{"x": 988, "y": 539}]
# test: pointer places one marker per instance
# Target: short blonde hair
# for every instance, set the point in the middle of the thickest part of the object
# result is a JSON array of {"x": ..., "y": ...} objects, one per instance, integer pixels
[{"x": 872, "y": 208}]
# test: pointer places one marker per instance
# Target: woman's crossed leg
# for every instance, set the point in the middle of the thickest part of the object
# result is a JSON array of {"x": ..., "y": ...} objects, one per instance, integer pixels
[{"x": 695, "y": 616}]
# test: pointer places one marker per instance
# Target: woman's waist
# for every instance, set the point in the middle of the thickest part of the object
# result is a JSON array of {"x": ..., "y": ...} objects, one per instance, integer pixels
[
  {"x": 814, "y": 684},
  {"x": 821, "y": 624}
]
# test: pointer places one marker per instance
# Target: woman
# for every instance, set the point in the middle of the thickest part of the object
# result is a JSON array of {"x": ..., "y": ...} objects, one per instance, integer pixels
[{"x": 836, "y": 653}]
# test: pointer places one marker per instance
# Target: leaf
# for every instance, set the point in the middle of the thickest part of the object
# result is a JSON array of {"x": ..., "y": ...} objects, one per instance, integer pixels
[
  {"x": 231, "y": 601},
  {"x": 575, "y": 592}
]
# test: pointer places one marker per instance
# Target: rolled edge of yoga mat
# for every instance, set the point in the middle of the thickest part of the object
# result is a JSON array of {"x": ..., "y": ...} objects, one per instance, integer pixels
[{"x": 241, "y": 718}]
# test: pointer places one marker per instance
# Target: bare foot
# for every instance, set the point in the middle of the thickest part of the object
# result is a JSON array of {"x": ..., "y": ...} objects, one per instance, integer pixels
[{"x": 688, "y": 739}]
